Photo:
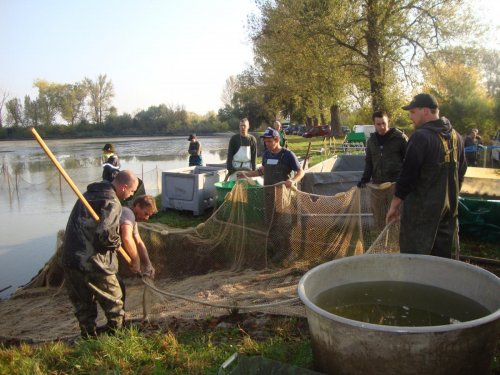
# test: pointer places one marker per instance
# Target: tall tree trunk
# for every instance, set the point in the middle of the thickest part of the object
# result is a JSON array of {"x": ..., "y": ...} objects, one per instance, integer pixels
[
  {"x": 375, "y": 73},
  {"x": 335, "y": 120}
]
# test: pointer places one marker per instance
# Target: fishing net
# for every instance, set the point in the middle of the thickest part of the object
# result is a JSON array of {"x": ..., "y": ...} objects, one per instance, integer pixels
[
  {"x": 250, "y": 254},
  {"x": 247, "y": 257}
]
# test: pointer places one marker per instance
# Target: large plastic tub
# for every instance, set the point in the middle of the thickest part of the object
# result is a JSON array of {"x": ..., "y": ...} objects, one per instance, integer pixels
[
  {"x": 253, "y": 207},
  {"x": 346, "y": 346},
  {"x": 191, "y": 188}
]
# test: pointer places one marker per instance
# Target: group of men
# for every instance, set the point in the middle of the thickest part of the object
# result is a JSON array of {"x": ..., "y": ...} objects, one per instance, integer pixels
[
  {"x": 89, "y": 252},
  {"x": 427, "y": 171}
]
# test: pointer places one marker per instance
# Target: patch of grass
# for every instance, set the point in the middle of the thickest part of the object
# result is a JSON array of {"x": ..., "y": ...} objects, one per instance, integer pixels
[{"x": 198, "y": 350}]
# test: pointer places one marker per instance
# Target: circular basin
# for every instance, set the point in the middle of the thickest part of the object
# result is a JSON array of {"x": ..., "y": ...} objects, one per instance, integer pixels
[{"x": 345, "y": 346}]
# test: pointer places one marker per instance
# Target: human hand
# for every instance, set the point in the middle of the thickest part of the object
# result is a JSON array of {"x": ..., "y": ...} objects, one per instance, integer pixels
[
  {"x": 135, "y": 267},
  {"x": 149, "y": 271}
]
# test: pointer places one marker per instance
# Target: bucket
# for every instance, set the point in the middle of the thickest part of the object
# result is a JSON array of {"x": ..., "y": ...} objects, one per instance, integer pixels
[{"x": 346, "y": 346}]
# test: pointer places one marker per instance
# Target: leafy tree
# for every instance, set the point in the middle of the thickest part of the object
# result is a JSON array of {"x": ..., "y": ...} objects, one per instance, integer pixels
[
  {"x": 3, "y": 99},
  {"x": 31, "y": 112},
  {"x": 230, "y": 88},
  {"x": 379, "y": 41},
  {"x": 100, "y": 93},
  {"x": 490, "y": 62},
  {"x": 14, "y": 112},
  {"x": 461, "y": 94},
  {"x": 72, "y": 102},
  {"x": 49, "y": 100}
]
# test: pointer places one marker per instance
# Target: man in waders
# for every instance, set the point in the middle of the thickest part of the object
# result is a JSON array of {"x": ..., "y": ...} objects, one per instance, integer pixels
[
  {"x": 385, "y": 151},
  {"x": 89, "y": 256},
  {"x": 278, "y": 163},
  {"x": 429, "y": 183},
  {"x": 242, "y": 151}
]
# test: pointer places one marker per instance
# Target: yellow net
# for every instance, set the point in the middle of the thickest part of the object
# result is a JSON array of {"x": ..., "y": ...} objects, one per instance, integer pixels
[{"x": 250, "y": 254}]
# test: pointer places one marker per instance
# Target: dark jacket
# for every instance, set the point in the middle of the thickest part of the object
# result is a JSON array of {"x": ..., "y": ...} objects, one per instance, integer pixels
[
  {"x": 383, "y": 162},
  {"x": 424, "y": 150},
  {"x": 90, "y": 246}
]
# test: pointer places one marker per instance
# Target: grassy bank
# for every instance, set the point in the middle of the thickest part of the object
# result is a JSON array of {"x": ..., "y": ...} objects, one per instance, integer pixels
[{"x": 197, "y": 347}]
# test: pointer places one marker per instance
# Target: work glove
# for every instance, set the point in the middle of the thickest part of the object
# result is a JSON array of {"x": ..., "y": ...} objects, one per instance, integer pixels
[{"x": 361, "y": 184}]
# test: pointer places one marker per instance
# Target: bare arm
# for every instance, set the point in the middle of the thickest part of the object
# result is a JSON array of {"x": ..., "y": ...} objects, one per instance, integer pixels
[
  {"x": 130, "y": 247},
  {"x": 146, "y": 265},
  {"x": 394, "y": 210}
]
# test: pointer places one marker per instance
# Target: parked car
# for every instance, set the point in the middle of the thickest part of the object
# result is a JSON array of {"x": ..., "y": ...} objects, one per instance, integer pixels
[
  {"x": 301, "y": 129},
  {"x": 318, "y": 131}
]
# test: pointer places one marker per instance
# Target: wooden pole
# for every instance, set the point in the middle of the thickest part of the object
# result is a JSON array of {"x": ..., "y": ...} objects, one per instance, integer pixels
[
  {"x": 72, "y": 185},
  {"x": 307, "y": 156}
]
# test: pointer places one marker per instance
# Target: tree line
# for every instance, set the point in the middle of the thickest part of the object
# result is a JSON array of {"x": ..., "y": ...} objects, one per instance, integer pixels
[
  {"x": 335, "y": 62},
  {"x": 84, "y": 109},
  {"x": 315, "y": 62}
]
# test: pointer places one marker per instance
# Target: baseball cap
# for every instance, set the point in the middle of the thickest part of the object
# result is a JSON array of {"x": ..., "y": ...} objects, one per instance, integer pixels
[
  {"x": 270, "y": 133},
  {"x": 422, "y": 101}
]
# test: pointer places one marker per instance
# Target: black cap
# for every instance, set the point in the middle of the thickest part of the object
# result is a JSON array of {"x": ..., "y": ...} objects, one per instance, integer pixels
[{"x": 422, "y": 101}]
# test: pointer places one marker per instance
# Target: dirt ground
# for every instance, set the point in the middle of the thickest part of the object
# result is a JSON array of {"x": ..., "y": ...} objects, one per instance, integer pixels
[{"x": 45, "y": 314}]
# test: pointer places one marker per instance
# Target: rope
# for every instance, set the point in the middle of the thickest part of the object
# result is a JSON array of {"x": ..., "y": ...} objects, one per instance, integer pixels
[{"x": 228, "y": 307}]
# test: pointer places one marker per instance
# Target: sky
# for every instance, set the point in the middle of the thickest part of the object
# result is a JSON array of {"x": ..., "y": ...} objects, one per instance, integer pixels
[
  {"x": 173, "y": 52},
  {"x": 154, "y": 51}
]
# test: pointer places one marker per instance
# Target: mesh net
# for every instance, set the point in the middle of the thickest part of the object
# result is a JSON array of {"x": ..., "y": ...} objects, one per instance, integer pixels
[
  {"x": 247, "y": 257},
  {"x": 250, "y": 254}
]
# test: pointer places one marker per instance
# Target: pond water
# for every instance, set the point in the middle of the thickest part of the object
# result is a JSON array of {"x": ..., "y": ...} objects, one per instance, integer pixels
[{"x": 36, "y": 202}]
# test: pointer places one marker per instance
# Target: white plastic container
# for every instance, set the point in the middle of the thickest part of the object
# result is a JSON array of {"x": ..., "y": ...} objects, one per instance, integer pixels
[{"x": 191, "y": 188}]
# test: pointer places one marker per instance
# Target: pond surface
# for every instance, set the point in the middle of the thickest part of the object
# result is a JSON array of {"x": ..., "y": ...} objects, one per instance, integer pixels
[{"x": 36, "y": 202}]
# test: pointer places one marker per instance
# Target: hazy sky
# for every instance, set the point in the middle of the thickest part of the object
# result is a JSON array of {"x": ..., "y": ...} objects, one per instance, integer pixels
[{"x": 154, "y": 51}]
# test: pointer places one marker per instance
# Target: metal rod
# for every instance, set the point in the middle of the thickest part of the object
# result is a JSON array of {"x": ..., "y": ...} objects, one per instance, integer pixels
[{"x": 72, "y": 185}]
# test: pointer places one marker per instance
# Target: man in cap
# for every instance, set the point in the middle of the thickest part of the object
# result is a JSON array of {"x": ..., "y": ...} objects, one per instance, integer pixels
[
  {"x": 89, "y": 256},
  {"x": 110, "y": 162},
  {"x": 278, "y": 163},
  {"x": 429, "y": 183}
]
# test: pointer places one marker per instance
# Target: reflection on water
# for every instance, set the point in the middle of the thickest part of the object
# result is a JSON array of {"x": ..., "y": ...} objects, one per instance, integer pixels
[{"x": 36, "y": 201}]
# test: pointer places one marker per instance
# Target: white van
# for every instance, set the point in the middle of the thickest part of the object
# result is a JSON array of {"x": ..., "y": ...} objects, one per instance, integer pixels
[{"x": 367, "y": 129}]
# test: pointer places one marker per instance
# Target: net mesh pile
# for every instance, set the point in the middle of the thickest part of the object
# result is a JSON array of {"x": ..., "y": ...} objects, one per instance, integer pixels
[{"x": 251, "y": 253}]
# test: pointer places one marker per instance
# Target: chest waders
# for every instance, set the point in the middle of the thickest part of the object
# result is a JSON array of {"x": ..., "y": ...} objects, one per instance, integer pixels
[
  {"x": 429, "y": 219},
  {"x": 277, "y": 219}
]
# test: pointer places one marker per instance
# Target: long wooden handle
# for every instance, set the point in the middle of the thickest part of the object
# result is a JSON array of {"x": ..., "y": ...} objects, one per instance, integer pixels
[
  {"x": 72, "y": 185},
  {"x": 307, "y": 156}
]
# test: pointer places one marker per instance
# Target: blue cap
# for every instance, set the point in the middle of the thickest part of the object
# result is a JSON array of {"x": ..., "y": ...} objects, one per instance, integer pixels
[{"x": 270, "y": 133}]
